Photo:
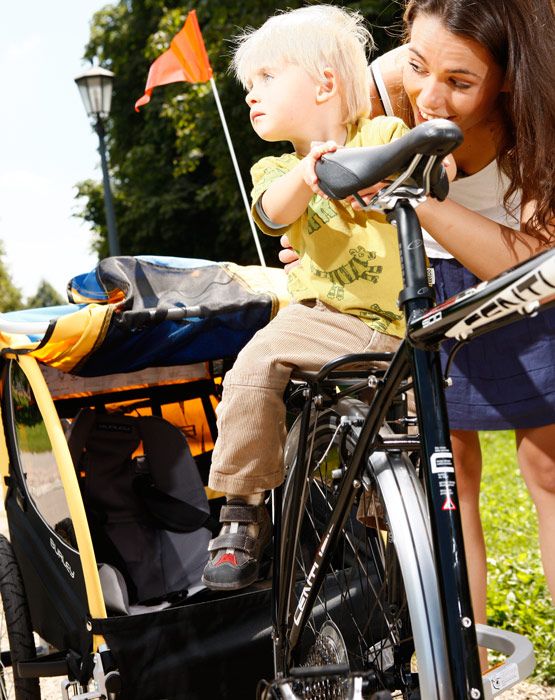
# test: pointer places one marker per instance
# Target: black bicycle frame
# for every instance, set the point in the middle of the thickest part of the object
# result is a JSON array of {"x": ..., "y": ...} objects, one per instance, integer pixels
[{"x": 437, "y": 467}]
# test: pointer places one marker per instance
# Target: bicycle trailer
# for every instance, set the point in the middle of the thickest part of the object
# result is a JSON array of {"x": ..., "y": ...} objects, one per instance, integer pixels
[
  {"x": 108, "y": 422},
  {"x": 107, "y": 429}
]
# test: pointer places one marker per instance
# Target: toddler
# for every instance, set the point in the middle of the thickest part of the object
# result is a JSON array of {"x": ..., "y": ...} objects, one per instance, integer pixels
[{"x": 305, "y": 72}]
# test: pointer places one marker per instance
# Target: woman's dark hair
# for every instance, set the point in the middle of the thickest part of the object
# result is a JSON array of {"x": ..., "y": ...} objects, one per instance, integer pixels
[{"x": 520, "y": 36}]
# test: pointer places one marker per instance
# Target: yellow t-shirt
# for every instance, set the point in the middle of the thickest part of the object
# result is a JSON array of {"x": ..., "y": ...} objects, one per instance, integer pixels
[{"x": 348, "y": 259}]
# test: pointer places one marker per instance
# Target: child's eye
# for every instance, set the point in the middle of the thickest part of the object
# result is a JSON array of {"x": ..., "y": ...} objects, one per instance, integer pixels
[{"x": 266, "y": 77}]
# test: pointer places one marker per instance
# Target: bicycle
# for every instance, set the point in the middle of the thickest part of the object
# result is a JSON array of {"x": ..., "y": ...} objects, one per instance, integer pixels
[
  {"x": 370, "y": 589},
  {"x": 370, "y": 585}
]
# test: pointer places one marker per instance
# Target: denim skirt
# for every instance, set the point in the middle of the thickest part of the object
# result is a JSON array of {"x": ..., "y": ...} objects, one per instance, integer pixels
[{"x": 504, "y": 379}]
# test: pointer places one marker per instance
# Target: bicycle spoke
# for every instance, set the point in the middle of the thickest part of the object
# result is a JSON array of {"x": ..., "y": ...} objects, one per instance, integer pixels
[{"x": 358, "y": 594}]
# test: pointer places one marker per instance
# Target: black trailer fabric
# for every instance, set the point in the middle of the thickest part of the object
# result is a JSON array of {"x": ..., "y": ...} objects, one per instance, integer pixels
[{"x": 218, "y": 649}]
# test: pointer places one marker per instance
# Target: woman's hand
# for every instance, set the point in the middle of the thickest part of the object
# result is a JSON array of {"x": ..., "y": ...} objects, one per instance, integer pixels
[
  {"x": 287, "y": 255},
  {"x": 450, "y": 167},
  {"x": 366, "y": 195}
]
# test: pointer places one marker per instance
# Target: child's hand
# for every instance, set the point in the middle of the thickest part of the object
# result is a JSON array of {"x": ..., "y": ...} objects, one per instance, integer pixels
[{"x": 317, "y": 150}]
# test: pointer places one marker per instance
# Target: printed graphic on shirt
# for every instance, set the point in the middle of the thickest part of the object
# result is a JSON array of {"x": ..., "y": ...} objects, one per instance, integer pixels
[
  {"x": 379, "y": 319},
  {"x": 268, "y": 169},
  {"x": 320, "y": 212},
  {"x": 358, "y": 267}
]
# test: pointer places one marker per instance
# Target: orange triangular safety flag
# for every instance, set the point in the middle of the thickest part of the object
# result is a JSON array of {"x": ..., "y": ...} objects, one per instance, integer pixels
[{"x": 185, "y": 61}]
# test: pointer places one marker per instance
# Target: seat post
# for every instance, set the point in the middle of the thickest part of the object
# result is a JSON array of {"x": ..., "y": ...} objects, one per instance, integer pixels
[{"x": 417, "y": 294}]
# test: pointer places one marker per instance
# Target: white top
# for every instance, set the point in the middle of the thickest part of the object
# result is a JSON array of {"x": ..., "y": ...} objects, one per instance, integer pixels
[{"x": 482, "y": 192}]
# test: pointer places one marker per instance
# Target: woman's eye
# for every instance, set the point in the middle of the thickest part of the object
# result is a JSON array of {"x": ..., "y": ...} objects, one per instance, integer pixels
[
  {"x": 416, "y": 67},
  {"x": 460, "y": 85}
]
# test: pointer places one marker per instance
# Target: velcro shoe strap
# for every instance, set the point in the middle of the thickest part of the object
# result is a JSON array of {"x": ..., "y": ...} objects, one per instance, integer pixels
[
  {"x": 239, "y": 513},
  {"x": 233, "y": 540}
]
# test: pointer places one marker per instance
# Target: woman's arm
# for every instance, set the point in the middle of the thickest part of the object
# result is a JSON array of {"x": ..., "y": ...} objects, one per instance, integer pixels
[{"x": 484, "y": 246}]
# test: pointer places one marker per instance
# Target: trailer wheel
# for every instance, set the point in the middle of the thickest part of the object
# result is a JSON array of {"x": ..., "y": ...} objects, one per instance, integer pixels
[{"x": 15, "y": 630}]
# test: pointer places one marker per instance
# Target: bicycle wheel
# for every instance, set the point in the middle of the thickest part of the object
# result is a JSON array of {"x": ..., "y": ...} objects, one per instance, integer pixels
[
  {"x": 378, "y": 609},
  {"x": 15, "y": 630}
]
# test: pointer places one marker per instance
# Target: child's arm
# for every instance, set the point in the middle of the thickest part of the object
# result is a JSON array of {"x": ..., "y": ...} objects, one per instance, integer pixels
[{"x": 287, "y": 198}]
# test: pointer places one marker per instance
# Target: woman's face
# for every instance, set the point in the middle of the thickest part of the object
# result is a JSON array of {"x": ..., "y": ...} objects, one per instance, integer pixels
[{"x": 449, "y": 76}]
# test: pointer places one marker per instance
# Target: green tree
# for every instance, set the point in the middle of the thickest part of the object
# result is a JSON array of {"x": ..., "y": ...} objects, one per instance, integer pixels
[
  {"x": 175, "y": 188},
  {"x": 45, "y": 295},
  {"x": 10, "y": 295}
]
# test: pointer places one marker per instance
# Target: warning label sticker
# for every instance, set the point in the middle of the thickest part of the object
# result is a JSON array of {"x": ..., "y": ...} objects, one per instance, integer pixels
[
  {"x": 448, "y": 505},
  {"x": 441, "y": 461}
]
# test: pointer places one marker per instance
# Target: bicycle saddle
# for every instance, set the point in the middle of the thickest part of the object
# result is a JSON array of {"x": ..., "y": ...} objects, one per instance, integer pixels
[{"x": 419, "y": 152}]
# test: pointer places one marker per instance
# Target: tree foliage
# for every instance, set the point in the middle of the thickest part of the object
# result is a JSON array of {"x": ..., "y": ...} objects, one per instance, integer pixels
[
  {"x": 10, "y": 295},
  {"x": 45, "y": 295},
  {"x": 175, "y": 188}
]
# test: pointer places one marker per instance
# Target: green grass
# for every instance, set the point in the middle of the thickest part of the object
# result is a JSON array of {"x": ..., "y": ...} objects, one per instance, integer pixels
[
  {"x": 34, "y": 438},
  {"x": 518, "y": 598}
]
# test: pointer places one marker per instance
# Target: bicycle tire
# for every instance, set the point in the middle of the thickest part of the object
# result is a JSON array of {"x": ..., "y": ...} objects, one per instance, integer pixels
[
  {"x": 371, "y": 627},
  {"x": 16, "y": 630}
]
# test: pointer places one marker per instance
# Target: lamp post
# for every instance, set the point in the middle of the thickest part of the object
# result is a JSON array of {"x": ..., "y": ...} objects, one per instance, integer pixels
[{"x": 95, "y": 87}]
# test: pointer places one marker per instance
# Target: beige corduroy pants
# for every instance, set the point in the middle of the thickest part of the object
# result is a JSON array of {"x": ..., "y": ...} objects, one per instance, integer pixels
[{"x": 248, "y": 455}]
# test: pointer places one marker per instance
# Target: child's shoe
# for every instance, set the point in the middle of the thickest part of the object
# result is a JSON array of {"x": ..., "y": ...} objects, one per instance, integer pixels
[{"x": 236, "y": 551}]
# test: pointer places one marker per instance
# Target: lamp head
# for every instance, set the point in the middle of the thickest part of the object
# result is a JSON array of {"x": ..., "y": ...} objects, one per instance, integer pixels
[{"x": 95, "y": 87}]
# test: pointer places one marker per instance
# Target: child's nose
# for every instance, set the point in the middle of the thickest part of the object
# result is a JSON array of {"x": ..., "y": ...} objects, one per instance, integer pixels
[{"x": 251, "y": 99}]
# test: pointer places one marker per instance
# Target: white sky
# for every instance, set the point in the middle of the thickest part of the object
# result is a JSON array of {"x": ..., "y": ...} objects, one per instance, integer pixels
[{"x": 46, "y": 141}]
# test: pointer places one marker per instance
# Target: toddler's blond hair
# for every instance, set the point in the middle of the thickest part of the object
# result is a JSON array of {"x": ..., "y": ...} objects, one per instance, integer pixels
[{"x": 313, "y": 37}]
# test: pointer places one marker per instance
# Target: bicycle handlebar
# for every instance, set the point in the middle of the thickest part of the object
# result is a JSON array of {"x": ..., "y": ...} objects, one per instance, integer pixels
[
  {"x": 523, "y": 290},
  {"x": 419, "y": 152}
]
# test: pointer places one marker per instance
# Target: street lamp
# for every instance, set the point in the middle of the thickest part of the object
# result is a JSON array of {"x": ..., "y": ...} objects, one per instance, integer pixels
[{"x": 95, "y": 87}]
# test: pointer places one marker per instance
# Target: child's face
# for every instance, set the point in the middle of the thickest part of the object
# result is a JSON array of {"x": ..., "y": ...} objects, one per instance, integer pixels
[{"x": 283, "y": 105}]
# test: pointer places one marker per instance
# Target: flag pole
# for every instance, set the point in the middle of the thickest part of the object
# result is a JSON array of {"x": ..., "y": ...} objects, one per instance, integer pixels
[{"x": 238, "y": 173}]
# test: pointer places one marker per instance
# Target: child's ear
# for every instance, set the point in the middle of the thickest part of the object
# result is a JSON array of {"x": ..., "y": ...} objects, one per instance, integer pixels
[{"x": 328, "y": 85}]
